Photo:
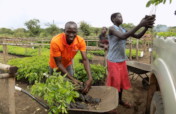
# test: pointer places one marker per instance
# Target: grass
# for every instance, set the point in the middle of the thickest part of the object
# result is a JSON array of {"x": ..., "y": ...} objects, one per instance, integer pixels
[{"x": 25, "y": 51}]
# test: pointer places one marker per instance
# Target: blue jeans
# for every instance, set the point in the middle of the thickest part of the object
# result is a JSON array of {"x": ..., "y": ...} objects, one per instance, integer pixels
[{"x": 69, "y": 70}]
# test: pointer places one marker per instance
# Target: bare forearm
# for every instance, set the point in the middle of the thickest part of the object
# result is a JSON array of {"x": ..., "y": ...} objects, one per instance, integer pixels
[
  {"x": 129, "y": 33},
  {"x": 140, "y": 34},
  {"x": 122, "y": 35},
  {"x": 63, "y": 69}
]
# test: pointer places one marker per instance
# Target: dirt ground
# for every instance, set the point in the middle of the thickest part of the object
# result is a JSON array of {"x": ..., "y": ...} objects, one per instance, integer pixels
[{"x": 136, "y": 95}]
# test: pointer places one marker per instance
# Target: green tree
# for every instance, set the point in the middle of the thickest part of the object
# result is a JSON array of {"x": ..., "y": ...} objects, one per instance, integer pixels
[
  {"x": 20, "y": 32},
  {"x": 128, "y": 26},
  {"x": 85, "y": 28},
  {"x": 172, "y": 29},
  {"x": 33, "y": 27},
  {"x": 44, "y": 33},
  {"x": 96, "y": 30},
  {"x": 156, "y": 2},
  {"x": 6, "y": 31},
  {"x": 52, "y": 29}
]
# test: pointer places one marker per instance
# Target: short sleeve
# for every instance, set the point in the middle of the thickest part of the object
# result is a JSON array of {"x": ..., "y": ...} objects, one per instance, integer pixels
[
  {"x": 82, "y": 46},
  {"x": 55, "y": 50}
]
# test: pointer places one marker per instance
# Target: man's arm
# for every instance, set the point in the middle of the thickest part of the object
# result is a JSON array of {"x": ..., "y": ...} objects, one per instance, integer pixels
[
  {"x": 121, "y": 35},
  {"x": 144, "y": 22},
  {"x": 139, "y": 35},
  {"x": 63, "y": 69},
  {"x": 87, "y": 68}
]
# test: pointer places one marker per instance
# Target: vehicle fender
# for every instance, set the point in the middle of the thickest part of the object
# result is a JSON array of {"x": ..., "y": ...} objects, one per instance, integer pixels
[{"x": 166, "y": 84}]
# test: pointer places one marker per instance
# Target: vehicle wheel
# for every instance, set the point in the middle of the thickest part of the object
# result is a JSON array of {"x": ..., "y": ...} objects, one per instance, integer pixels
[{"x": 156, "y": 106}]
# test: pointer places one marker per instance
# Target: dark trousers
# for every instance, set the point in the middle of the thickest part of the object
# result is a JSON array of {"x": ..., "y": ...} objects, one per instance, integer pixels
[{"x": 69, "y": 70}]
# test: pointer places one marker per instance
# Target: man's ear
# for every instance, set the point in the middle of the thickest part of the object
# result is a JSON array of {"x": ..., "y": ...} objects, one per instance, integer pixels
[{"x": 113, "y": 20}]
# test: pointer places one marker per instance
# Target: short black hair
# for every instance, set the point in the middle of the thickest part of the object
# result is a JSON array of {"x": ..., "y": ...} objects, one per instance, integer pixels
[
  {"x": 114, "y": 16},
  {"x": 105, "y": 28},
  {"x": 70, "y": 22}
]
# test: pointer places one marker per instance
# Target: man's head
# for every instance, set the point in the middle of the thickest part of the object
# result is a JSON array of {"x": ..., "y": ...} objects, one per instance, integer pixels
[
  {"x": 104, "y": 30},
  {"x": 70, "y": 31},
  {"x": 116, "y": 18}
]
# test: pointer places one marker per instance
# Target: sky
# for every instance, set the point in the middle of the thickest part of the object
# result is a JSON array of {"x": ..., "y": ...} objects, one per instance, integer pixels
[{"x": 14, "y": 13}]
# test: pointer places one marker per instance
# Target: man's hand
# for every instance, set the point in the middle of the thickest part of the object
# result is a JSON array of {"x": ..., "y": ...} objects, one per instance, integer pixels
[
  {"x": 77, "y": 82},
  {"x": 88, "y": 84},
  {"x": 147, "y": 21}
]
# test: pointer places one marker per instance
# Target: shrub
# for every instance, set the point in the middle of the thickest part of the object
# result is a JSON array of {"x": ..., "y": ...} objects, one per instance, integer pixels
[
  {"x": 98, "y": 73},
  {"x": 57, "y": 92},
  {"x": 17, "y": 50},
  {"x": 101, "y": 52},
  {"x": 31, "y": 68}
]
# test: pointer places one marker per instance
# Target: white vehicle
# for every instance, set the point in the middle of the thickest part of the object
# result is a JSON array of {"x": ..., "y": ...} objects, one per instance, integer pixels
[{"x": 162, "y": 91}]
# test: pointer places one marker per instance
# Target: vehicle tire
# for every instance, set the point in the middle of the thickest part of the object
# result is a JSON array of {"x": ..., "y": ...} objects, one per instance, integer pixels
[{"x": 156, "y": 106}]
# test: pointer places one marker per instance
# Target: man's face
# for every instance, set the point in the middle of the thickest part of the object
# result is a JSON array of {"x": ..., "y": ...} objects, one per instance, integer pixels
[
  {"x": 118, "y": 20},
  {"x": 71, "y": 32},
  {"x": 104, "y": 30}
]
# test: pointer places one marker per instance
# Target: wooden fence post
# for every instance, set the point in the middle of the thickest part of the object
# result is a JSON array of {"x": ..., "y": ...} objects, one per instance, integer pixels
[
  {"x": 5, "y": 53},
  {"x": 105, "y": 61},
  {"x": 87, "y": 43},
  {"x": 42, "y": 44},
  {"x": 97, "y": 43},
  {"x": 39, "y": 50},
  {"x": 130, "y": 51},
  {"x": 144, "y": 44},
  {"x": 7, "y": 87},
  {"x": 137, "y": 49},
  {"x": 26, "y": 49}
]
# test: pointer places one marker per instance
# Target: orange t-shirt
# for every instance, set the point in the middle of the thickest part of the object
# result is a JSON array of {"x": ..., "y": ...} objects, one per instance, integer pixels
[{"x": 59, "y": 47}]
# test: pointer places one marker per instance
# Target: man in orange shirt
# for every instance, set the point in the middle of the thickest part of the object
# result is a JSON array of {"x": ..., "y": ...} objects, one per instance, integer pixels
[{"x": 64, "y": 47}]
